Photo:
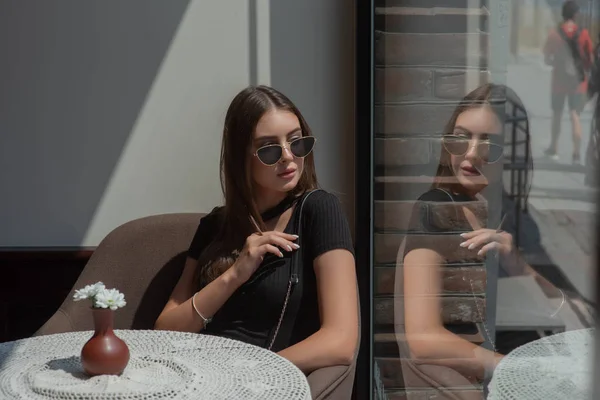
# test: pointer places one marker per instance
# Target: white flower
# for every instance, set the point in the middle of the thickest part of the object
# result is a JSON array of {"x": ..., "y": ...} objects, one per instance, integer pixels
[
  {"x": 88, "y": 292},
  {"x": 110, "y": 298},
  {"x": 100, "y": 296}
]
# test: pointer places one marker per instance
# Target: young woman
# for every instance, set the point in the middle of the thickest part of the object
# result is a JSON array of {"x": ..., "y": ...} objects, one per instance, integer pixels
[
  {"x": 239, "y": 280},
  {"x": 470, "y": 165}
]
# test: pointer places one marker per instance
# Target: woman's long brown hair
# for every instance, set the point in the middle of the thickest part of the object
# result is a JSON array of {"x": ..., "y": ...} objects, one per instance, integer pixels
[
  {"x": 496, "y": 97},
  {"x": 238, "y": 217}
]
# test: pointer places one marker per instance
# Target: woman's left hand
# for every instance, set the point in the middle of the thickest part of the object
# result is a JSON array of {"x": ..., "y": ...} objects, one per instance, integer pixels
[{"x": 484, "y": 240}]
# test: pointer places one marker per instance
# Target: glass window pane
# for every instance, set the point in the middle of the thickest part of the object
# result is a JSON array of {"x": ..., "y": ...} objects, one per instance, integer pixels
[{"x": 485, "y": 151}]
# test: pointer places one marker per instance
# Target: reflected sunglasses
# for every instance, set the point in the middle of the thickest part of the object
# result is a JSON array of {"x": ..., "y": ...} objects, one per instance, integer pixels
[
  {"x": 272, "y": 153},
  {"x": 459, "y": 146}
]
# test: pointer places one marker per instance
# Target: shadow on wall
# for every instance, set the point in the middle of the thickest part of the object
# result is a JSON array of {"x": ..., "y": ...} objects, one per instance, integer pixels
[
  {"x": 76, "y": 78},
  {"x": 77, "y": 75}
]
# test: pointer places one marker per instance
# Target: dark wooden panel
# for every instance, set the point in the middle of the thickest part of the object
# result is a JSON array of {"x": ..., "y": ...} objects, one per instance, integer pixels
[
  {"x": 35, "y": 282},
  {"x": 3, "y": 325}
]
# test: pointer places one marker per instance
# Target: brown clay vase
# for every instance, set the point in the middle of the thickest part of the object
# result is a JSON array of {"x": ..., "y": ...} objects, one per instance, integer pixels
[{"x": 104, "y": 353}]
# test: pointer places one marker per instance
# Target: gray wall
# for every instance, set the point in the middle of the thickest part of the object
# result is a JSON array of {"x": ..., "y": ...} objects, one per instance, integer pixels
[
  {"x": 312, "y": 59},
  {"x": 111, "y": 111}
]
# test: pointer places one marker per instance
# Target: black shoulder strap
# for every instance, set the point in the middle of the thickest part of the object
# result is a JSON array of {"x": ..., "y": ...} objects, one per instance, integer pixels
[
  {"x": 296, "y": 261},
  {"x": 283, "y": 330},
  {"x": 573, "y": 42},
  {"x": 576, "y": 35}
]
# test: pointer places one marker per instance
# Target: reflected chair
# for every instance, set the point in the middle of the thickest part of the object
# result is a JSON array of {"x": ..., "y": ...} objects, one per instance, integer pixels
[
  {"x": 144, "y": 259},
  {"x": 335, "y": 383}
]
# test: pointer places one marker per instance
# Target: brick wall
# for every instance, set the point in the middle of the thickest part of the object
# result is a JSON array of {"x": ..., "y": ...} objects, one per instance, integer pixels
[{"x": 426, "y": 58}]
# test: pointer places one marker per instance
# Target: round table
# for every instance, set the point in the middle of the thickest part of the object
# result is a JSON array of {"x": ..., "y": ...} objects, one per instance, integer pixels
[
  {"x": 554, "y": 367},
  {"x": 163, "y": 365}
]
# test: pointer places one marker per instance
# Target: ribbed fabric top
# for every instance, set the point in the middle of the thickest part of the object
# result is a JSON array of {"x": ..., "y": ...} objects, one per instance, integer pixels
[
  {"x": 252, "y": 312},
  {"x": 421, "y": 216}
]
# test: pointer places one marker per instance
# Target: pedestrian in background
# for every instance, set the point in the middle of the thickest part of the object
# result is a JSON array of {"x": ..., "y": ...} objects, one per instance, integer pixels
[{"x": 568, "y": 50}]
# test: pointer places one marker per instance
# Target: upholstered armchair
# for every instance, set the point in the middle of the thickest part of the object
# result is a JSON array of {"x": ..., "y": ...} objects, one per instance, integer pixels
[{"x": 144, "y": 258}]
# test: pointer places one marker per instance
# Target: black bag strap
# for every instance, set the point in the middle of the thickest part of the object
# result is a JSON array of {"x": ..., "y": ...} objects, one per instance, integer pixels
[
  {"x": 573, "y": 43},
  {"x": 570, "y": 40},
  {"x": 284, "y": 327}
]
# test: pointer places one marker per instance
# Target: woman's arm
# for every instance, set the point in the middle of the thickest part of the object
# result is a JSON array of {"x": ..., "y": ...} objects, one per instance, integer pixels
[
  {"x": 336, "y": 341},
  {"x": 427, "y": 337},
  {"x": 179, "y": 314}
]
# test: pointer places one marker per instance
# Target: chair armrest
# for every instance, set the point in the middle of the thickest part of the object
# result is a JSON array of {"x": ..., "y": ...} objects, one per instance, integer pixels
[
  {"x": 324, "y": 381},
  {"x": 58, "y": 323}
]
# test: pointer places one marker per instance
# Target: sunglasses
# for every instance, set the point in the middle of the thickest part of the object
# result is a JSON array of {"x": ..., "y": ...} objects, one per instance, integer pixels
[
  {"x": 460, "y": 145},
  {"x": 272, "y": 153}
]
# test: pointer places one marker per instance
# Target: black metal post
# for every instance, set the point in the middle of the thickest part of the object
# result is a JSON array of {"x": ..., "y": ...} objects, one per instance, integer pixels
[{"x": 364, "y": 192}]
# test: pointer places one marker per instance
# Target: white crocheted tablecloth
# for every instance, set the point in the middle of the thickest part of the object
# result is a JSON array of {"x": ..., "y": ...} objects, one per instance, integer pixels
[
  {"x": 554, "y": 367},
  {"x": 163, "y": 365}
]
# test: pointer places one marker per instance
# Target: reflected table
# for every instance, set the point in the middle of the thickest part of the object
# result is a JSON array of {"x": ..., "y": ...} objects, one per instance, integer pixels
[
  {"x": 554, "y": 367},
  {"x": 163, "y": 365}
]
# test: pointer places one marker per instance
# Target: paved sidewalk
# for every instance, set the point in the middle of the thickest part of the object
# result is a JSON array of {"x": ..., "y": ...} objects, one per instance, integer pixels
[{"x": 561, "y": 205}]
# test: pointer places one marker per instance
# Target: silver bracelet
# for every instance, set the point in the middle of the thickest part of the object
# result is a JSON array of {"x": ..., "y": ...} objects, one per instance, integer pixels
[
  {"x": 206, "y": 320},
  {"x": 562, "y": 303}
]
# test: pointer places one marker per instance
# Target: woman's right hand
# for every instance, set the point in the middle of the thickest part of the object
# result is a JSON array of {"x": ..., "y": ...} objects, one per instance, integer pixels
[{"x": 255, "y": 248}]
